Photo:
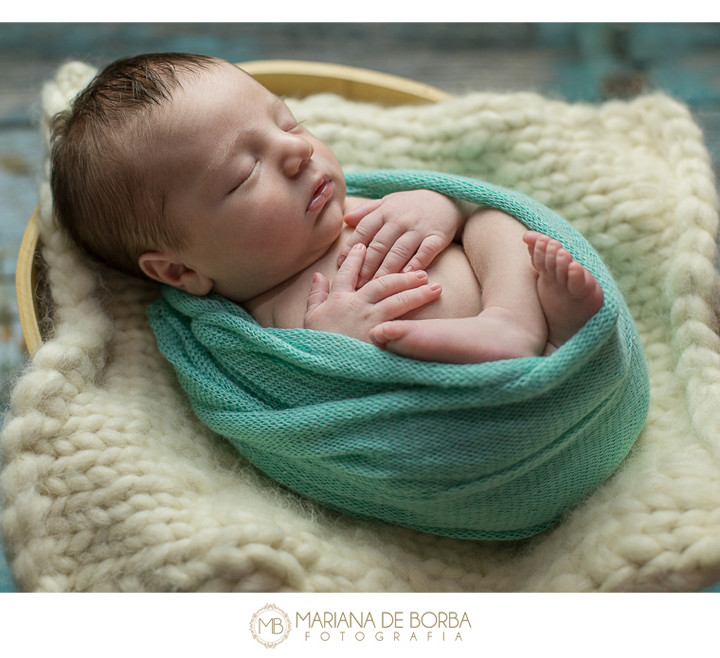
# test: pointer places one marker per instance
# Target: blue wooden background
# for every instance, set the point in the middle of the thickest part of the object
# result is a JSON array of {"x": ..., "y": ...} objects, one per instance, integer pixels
[{"x": 577, "y": 62}]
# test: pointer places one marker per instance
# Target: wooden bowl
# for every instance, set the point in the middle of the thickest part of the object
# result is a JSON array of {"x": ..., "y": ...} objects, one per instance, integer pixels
[{"x": 283, "y": 77}]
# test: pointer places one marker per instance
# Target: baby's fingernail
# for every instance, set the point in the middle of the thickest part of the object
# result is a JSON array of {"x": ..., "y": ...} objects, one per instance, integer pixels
[
  {"x": 359, "y": 246},
  {"x": 408, "y": 268},
  {"x": 435, "y": 287},
  {"x": 420, "y": 274}
]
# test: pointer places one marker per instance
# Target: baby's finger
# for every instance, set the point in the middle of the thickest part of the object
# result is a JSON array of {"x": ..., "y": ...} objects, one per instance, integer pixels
[
  {"x": 428, "y": 250},
  {"x": 378, "y": 250},
  {"x": 318, "y": 293},
  {"x": 391, "y": 284},
  {"x": 356, "y": 214},
  {"x": 405, "y": 247},
  {"x": 363, "y": 234},
  {"x": 346, "y": 278},
  {"x": 405, "y": 301}
]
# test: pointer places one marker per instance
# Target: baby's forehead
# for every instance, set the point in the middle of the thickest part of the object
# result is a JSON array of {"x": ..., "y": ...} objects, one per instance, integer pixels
[
  {"x": 218, "y": 70},
  {"x": 222, "y": 76},
  {"x": 206, "y": 105}
]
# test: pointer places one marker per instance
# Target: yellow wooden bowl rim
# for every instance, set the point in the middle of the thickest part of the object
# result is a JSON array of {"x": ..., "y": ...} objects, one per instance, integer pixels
[{"x": 292, "y": 78}]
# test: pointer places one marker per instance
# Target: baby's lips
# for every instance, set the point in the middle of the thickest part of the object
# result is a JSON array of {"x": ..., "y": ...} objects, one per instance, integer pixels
[{"x": 320, "y": 194}]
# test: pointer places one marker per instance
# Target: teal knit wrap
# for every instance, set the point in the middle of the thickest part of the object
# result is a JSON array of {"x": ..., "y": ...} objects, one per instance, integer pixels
[{"x": 482, "y": 451}]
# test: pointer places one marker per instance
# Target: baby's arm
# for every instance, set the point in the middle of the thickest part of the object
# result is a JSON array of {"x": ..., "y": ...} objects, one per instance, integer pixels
[
  {"x": 532, "y": 302},
  {"x": 344, "y": 309},
  {"x": 403, "y": 231},
  {"x": 511, "y": 323}
]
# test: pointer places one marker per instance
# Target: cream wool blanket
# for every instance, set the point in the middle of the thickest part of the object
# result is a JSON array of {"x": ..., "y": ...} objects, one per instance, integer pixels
[{"x": 109, "y": 482}]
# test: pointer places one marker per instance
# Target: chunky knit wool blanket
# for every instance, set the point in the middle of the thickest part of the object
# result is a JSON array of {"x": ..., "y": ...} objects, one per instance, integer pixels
[
  {"x": 493, "y": 450},
  {"x": 109, "y": 481}
]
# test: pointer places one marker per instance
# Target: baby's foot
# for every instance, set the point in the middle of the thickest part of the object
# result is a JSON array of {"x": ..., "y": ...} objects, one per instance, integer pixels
[
  {"x": 569, "y": 294},
  {"x": 492, "y": 335}
]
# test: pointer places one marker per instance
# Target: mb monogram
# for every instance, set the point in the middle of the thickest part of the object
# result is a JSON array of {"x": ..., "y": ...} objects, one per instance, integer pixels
[{"x": 270, "y": 626}]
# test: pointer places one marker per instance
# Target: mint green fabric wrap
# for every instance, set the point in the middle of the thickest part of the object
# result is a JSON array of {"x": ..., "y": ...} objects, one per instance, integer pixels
[{"x": 484, "y": 451}]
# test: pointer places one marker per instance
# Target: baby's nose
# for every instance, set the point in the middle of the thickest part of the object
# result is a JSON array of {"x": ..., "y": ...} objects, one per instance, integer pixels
[{"x": 299, "y": 153}]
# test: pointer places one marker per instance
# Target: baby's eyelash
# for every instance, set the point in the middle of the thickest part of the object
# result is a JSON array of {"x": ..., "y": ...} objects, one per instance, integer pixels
[{"x": 244, "y": 180}]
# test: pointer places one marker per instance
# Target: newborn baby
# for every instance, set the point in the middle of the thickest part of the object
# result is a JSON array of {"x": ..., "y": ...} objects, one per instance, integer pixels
[{"x": 217, "y": 187}]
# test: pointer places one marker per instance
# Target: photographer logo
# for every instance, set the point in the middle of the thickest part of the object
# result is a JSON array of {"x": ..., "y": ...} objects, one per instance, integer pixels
[{"x": 270, "y": 626}]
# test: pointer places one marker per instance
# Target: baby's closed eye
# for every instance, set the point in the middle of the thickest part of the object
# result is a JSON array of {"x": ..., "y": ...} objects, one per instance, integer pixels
[{"x": 243, "y": 177}]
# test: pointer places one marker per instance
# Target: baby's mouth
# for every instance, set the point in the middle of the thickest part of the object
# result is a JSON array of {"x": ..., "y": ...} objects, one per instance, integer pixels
[{"x": 320, "y": 195}]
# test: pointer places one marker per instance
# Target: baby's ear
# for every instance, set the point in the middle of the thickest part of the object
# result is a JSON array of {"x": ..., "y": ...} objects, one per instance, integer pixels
[{"x": 167, "y": 268}]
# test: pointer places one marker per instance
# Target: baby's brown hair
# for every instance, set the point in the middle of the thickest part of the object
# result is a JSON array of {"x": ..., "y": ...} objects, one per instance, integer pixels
[{"x": 103, "y": 193}]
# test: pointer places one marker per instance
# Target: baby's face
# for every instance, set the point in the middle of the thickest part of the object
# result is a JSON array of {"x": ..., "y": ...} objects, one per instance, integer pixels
[{"x": 257, "y": 196}]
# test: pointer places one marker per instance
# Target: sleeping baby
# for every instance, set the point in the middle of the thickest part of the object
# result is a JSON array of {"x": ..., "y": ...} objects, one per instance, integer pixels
[
  {"x": 294, "y": 296},
  {"x": 184, "y": 169}
]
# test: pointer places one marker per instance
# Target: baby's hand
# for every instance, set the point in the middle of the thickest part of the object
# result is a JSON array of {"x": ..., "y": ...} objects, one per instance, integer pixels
[
  {"x": 343, "y": 309},
  {"x": 403, "y": 231}
]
